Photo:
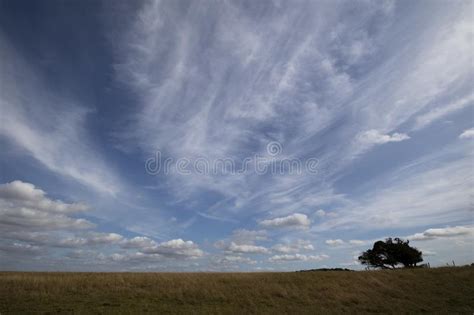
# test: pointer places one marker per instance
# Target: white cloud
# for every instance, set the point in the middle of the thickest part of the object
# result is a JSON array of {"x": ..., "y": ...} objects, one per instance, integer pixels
[
  {"x": 454, "y": 231},
  {"x": 27, "y": 195},
  {"x": 243, "y": 241},
  {"x": 336, "y": 242},
  {"x": 23, "y": 205},
  {"x": 18, "y": 190},
  {"x": 127, "y": 257},
  {"x": 466, "y": 134},
  {"x": 297, "y": 257},
  {"x": 246, "y": 249},
  {"x": 175, "y": 248},
  {"x": 92, "y": 238},
  {"x": 149, "y": 250},
  {"x": 376, "y": 137},
  {"x": 293, "y": 220},
  {"x": 138, "y": 242},
  {"x": 31, "y": 223},
  {"x": 294, "y": 247}
]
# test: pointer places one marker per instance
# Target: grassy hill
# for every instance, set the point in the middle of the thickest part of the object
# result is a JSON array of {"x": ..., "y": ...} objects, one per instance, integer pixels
[{"x": 440, "y": 290}]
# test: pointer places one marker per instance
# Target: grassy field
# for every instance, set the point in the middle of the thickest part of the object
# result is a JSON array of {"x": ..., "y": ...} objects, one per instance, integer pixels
[{"x": 441, "y": 290}]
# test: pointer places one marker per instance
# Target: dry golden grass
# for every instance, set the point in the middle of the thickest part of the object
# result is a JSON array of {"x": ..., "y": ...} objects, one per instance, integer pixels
[{"x": 441, "y": 290}]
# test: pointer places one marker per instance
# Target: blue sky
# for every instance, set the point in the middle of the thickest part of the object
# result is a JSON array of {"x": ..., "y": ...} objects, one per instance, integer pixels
[{"x": 375, "y": 93}]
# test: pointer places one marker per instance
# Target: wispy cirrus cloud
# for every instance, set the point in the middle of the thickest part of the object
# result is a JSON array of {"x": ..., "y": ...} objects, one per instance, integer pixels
[
  {"x": 442, "y": 111},
  {"x": 379, "y": 110},
  {"x": 48, "y": 126},
  {"x": 426, "y": 191},
  {"x": 333, "y": 93},
  {"x": 362, "y": 87},
  {"x": 264, "y": 83}
]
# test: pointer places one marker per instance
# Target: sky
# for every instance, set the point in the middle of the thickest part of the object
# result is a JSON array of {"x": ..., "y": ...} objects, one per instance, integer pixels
[{"x": 233, "y": 135}]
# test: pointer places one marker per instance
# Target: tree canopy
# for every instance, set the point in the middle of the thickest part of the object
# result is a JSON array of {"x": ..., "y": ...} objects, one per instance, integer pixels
[{"x": 390, "y": 254}]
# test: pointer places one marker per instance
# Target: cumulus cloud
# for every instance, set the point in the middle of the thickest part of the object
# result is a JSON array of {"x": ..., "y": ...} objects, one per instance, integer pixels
[
  {"x": 31, "y": 223},
  {"x": 127, "y": 257},
  {"x": 466, "y": 134},
  {"x": 148, "y": 250},
  {"x": 18, "y": 190},
  {"x": 431, "y": 234},
  {"x": 246, "y": 249},
  {"x": 93, "y": 238},
  {"x": 294, "y": 220},
  {"x": 138, "y": 242},
  {"x": 376, "y": 137},
  {"x": 27, "y": 195},
  {"x": 294, "y": 247},
  {"x": 23, "y": 205},
  {"x": 297, "y": 257},
  {"x": 175, "y": 248}
]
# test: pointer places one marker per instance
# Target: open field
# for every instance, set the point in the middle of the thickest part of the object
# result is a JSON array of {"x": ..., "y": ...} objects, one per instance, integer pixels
[{"x": 441, "y": 290}]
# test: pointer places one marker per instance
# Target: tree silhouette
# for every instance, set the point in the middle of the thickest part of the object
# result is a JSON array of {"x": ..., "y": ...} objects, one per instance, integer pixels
[{"x": 390, "y": 253}]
